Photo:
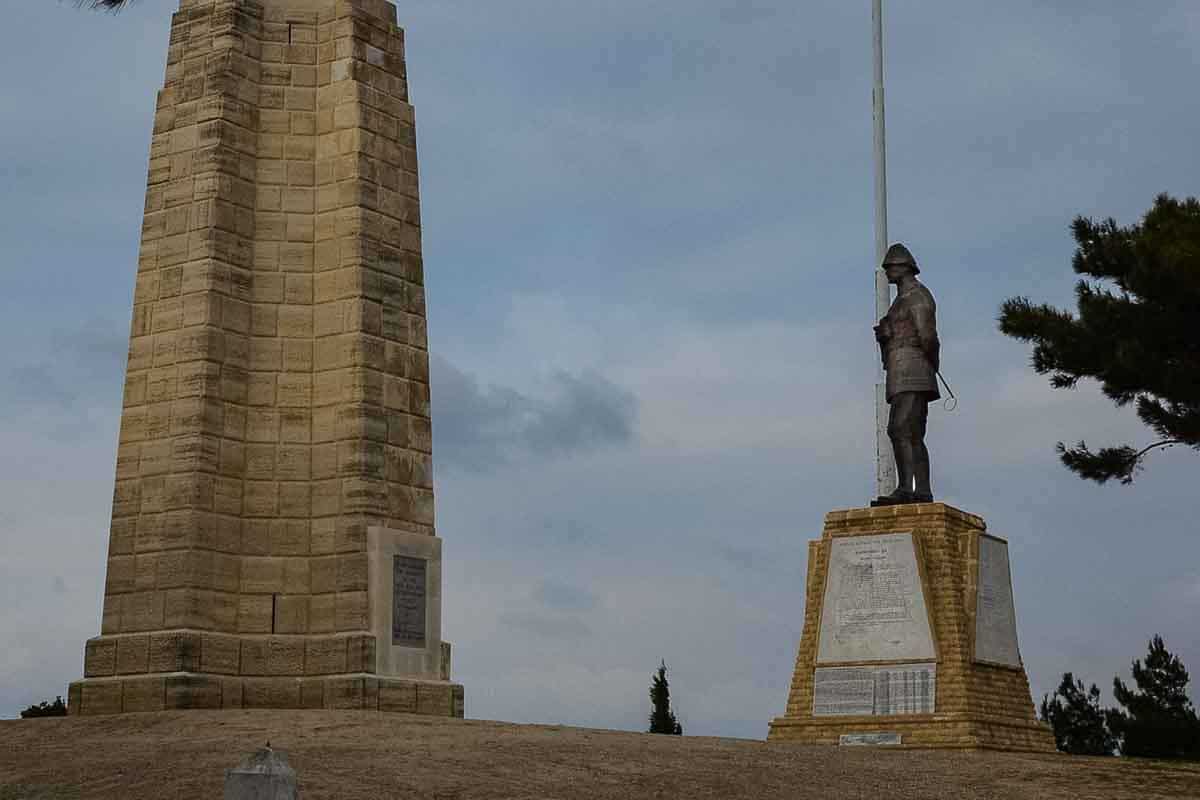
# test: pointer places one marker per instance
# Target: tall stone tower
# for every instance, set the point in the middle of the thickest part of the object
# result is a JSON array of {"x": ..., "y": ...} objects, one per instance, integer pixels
[{"x": 272, "y": 540}]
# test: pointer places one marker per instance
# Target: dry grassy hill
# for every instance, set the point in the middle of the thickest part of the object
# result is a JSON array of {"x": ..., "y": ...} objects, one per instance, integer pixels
[{"x": 363, "y": 756}]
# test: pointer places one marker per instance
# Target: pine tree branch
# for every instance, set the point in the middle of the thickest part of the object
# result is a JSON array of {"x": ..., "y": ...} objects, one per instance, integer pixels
[
  {"x": 1164, "y": 443},
  {"x": 1136, "y": 330},
  {"x": 104, "y": 5},
  {"x": 1121, "y": 463}
]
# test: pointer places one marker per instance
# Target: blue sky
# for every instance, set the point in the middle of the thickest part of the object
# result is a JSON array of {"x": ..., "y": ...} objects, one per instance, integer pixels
[{"x": 648, "y": 246}]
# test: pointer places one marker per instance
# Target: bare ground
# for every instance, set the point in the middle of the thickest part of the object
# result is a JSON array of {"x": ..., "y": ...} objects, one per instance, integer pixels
[{"x": 357, "y": 755}]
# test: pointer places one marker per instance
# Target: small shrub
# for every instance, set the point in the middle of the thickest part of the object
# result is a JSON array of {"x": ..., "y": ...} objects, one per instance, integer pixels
[{"x": 45, "y": 709}]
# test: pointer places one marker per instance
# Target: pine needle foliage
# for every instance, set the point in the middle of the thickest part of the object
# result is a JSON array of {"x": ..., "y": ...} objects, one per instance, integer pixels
[
  {"x": 1136, "y": 330},
  {"x": 662, "y": 719},
  {"x": 1157, "y": 719},
  {"x": 1078, "y": 719},
  {"x": 103, "y": 5}
]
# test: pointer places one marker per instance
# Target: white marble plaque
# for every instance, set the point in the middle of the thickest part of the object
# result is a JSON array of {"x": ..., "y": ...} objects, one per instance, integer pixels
[
  {"x": 995, "y": 618},
  {"x": 874, "y": 607},
  {"x": 869, "y": 739},
  {"x": 843, "y": 691},
  {"x": 874, "y": 691},
  {"x": 404, "y": 579}
]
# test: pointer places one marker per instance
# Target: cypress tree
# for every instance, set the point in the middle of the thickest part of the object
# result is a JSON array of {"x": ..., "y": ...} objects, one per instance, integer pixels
[{"x": 662, "y": 719}]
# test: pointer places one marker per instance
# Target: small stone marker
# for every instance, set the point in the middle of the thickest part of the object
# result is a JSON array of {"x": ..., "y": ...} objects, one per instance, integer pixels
[
  {"x": 875, "y": 739},
  {"x": 263, "y": 775}
]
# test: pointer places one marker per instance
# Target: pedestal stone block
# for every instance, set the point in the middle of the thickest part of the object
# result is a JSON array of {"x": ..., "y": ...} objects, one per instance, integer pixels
[
  {"x": 272, "y": 540},
  {"x": 909, "y": 637}
]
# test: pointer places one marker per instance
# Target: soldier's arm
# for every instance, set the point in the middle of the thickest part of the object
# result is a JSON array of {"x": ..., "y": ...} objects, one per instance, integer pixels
[
  {"x": 925, "y": 319},
  {"x": 882, "y": 334}
]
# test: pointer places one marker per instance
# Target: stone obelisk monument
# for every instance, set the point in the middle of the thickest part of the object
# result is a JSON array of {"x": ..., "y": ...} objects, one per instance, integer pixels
[{"x": 272, "y": 540}]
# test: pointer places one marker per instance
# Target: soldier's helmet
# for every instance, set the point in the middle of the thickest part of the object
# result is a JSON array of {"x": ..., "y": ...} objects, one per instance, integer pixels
[{"x": 899, "y": 254}]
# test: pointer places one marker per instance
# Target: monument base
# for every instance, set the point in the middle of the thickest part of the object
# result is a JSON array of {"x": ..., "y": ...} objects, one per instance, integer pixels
[
  {"x": 909, "y": 632},
  {"x": 190, "y": 690},
  {"x": 942, "y": 731},
  {"x": 397, "y": 663}
]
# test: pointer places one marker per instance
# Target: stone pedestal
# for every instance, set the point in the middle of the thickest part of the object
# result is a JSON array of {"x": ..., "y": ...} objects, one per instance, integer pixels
[
  {"x": 910, "y": 637},
  {"x": 276, "y": 411}
]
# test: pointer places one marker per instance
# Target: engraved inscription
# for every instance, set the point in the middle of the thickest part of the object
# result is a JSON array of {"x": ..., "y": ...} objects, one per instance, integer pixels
[
  {"x": 995, "y": 618},
  {"x": 843, "y": 692},
  {"x": 905, "y": 690},
  {"x": 874, "y": 608},
  {"x": 869, "y": 739},
  {"x": 874, "y": 589},
  {"x": 874, "y": 691},
  {"x": 408, "y": 601}
]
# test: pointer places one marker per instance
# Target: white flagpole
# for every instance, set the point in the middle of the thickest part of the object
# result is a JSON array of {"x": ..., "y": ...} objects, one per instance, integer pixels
[{"x": 885, "y": 464}]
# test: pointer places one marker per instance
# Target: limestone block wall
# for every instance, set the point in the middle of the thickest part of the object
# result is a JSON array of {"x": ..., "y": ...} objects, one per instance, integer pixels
[{"x": 277, "y": 390}]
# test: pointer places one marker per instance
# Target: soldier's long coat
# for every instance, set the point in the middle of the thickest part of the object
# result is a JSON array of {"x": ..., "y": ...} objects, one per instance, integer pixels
[{"x": 912, "y": 324}]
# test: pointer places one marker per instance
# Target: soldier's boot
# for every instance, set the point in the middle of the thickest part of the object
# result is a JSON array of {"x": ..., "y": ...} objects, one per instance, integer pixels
[
  {"x": 923, "y": 493},
  {"x": 903, "y": 493}
]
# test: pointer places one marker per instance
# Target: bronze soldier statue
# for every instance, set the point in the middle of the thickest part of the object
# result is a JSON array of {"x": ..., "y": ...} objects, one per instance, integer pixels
[{"x": 908, "y": 344}]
